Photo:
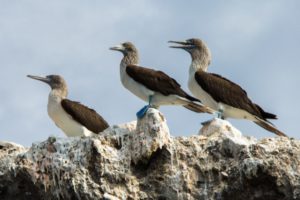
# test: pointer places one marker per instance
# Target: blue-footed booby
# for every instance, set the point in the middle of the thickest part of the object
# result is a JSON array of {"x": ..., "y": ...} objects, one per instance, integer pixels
[
  {"x": 154, "y": 87},
  {"x": 218, "y": 92},
  {"x": 73, "y": 118}
]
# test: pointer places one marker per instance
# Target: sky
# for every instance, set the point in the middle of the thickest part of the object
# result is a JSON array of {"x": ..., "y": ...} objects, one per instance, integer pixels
[{"x": 253, "y": 43}]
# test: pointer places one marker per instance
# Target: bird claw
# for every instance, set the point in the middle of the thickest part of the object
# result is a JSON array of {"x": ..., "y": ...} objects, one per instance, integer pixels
[{"x": 141, "y": 113}]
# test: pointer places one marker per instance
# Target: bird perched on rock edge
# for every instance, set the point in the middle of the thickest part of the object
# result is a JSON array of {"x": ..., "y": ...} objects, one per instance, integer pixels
[
  {"x": 218, "y": 92},
  {"x": 152, "y": 86},
  {"x": 73, "y": 118}
]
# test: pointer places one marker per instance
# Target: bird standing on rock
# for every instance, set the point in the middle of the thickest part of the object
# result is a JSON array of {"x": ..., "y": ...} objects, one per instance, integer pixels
[
  {"x": 218, "y": 92},
  {"x": 154, "y": 87},
  {"x": 73, "y": 118}
]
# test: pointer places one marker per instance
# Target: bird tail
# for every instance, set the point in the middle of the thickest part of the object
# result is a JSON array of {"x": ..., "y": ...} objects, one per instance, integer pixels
[
  {"x": 269, "y": 126},
  {"x": 266, "y": 115},
  {"x": 189, "y": 97},
  {"x": 198, "y": 107},
  {"x": 195, "y": 104}
]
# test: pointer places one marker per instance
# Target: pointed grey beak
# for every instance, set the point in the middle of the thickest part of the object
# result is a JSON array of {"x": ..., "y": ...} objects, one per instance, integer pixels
[
  {"x": 117, "y": 48},
  {"x": 39, "y": 78},
  {"x": 183, "y": 44}
]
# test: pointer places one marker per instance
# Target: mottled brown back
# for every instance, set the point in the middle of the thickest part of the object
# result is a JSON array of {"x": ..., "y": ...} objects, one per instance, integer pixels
[
  {"x": 223, "y": 90},
  {"x": 157, "y": 81},
  {"x": 85, "y": 116}
]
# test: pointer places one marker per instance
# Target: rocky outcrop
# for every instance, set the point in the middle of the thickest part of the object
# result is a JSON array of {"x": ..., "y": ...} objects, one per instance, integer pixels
[{"x": 141, "y": 161}]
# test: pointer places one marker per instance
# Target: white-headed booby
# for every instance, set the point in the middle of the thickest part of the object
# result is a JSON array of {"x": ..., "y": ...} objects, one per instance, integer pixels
[
  {"x": 154, "y": 87},
  {"x": 73, "y": 118},
  {"x": 220, "y": 93}
]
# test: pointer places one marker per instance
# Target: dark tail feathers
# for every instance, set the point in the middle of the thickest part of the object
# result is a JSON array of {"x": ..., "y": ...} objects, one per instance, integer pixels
[
  {"x": 192, "y": 98},
  {"x": 266, "y": 115},
  {"x": 270, "y": 127},
  {"x": 199, "y": 108}
]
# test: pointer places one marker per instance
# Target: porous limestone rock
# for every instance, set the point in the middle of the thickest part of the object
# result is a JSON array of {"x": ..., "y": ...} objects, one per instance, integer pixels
[{"x": 139, "y": 160}]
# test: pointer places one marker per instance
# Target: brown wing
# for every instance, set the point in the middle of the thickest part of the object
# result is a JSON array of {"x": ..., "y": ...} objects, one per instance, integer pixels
[
  {"x": 154, "y": 80},
  {"x": 223, "y": 90},
  {"x": 85, "y": 116}
]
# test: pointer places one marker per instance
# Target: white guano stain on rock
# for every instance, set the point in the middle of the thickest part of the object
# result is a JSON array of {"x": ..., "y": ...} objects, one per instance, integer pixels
[{"x": 139, "y": 160}]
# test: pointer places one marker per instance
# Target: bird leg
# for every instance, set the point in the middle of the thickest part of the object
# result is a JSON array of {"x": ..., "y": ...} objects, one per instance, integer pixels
[
  {"x": 220, "y": 114},
  {"x": 140, "y": 114}
]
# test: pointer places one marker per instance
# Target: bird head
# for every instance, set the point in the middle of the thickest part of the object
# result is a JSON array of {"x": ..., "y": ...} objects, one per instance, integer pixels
[
  {"x": 126, "y": 48},
  {"x": 196, "y": 48},
  {"x": 56, "y": 82},
  {"x": 189, "y": 45},
  {"x": 129, "y": 51}
]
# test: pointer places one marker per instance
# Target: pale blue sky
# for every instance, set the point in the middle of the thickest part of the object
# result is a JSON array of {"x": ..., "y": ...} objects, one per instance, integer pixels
[{"x": 255, "y": 43}]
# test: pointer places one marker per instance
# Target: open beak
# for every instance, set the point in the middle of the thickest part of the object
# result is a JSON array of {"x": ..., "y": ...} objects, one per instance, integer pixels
[
  {"x": 117, "y": 48},
  {"x": 39, "y": 78},
  {"x": 183, "y": 44}
]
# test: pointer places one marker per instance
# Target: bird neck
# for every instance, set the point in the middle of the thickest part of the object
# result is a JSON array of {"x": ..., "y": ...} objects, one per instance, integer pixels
[
  {"x": 195, "y": 66},
  {"x": 131, "y": 58},
  {"x": 58, "y": 94},
  {"x": 200, "y": 60}
]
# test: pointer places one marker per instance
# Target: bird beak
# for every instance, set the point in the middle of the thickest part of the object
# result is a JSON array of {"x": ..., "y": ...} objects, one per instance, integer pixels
[
  {"x": 183, "y": 44},
  {"x": 117, "y": 48},
  {"x": 39, "y": 78}
]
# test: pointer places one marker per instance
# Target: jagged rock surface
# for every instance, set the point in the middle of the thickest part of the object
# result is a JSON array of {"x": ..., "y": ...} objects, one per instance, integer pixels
[{"x": 141, "y": 161}]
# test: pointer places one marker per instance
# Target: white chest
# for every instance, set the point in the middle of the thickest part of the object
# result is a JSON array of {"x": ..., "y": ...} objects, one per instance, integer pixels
[
  {"x": 136, "y": 88},
  {"x": 198, "y": 92},
  {"x": 63, "y": 120}
]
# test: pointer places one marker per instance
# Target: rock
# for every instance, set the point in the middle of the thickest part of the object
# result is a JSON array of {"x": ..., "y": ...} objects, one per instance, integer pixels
[
  {"x": 151, "y": 134},
  {"x": 139, "y": 160}
]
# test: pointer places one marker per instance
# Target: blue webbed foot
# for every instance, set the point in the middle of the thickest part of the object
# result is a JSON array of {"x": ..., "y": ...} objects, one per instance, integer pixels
[{"x": 140, "y": 114}]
